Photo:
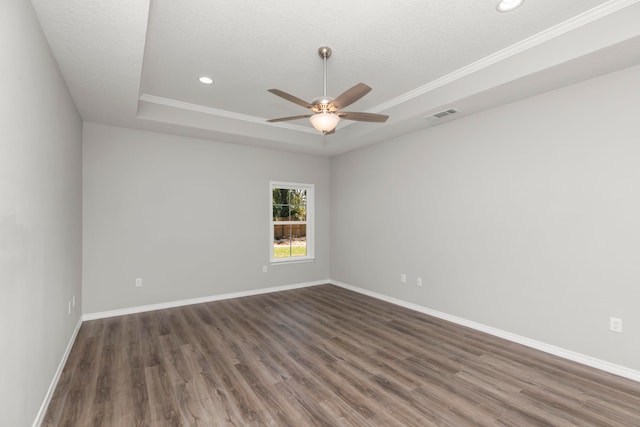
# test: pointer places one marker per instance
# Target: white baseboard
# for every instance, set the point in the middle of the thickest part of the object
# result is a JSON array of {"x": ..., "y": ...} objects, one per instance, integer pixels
[
  {"x": 56, "y": 377},
  {"x": 180, "y": 303},
  {"x": 603, "y": 365}
]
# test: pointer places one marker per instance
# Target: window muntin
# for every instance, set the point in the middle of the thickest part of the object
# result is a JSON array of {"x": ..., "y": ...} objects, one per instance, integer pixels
[{"x": 291, "y": 222}]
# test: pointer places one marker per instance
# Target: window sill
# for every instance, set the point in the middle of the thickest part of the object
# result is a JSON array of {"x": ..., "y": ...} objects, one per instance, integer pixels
[{"x": 291, "y": 261}]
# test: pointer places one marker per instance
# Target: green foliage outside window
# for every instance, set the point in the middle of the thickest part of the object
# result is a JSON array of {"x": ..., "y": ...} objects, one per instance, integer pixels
[{"x": 289, "y": 204}]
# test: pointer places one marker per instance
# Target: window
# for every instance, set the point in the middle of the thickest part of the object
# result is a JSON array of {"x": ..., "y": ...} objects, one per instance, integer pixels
[{"x": 291, "y": 222}]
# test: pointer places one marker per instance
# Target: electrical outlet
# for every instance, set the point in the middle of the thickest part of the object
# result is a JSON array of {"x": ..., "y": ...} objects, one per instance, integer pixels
[
  {"x": 419, "y": 281},
  {"x": 265, "y": 269},
  {"x": 403, "y": 278},
  {"x": 138, "y": 282},
  {"x": 615, "y": 324}
]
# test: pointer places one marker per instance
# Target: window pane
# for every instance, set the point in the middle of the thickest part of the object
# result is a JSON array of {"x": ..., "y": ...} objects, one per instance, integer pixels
[
  {"x": 298, "y": 213},
  {"x": 281, "y": 241},
  {"x": 289, "y": 240},
  {"x": 298, "y": 201},
  {"x": 281, "y": 196},
  {"x": 298, "y": 240},
  {"x": 281, "y": 212},
  {"x": 289, "y": 204},
  {"x": 298, "y": 197}
]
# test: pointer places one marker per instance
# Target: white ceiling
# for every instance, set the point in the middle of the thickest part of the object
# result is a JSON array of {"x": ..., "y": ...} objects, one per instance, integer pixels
[{"x": 135, "y": 63}]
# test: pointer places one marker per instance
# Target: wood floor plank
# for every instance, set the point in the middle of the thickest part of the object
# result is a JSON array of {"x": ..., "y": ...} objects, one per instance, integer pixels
[
  {"x": 226, "y": 387},
  {"x": 322, "y": 356},
  {"x": 164, "y": 407},
  {"x": 135, "y": 405}
]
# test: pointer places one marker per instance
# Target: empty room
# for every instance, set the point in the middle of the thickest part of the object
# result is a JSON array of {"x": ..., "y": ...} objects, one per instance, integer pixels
[{"x": 291, "y": 213}]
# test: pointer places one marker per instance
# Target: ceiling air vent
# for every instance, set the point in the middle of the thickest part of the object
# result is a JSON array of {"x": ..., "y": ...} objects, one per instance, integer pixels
[{"x": 442, "y": 114}]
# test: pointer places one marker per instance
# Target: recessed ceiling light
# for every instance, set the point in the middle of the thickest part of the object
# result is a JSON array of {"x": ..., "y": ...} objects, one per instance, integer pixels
[
  {"x": 509, "y": 5},
  {"x": 205, "y": 80}
]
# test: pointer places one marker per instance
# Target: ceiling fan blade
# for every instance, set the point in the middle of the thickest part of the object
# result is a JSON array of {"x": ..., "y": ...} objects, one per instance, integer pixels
[
  {"x": 331, "y": 132},
  {"x": 350, "y": 96},
  {"x": 363, "y": 117},
  {"x": 286, "y": 119},
  {"x": 291, "y": 98}
]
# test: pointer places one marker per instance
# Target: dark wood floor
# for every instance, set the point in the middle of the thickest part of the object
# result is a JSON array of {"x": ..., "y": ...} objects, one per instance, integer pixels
[{"x": 322, "y": 356}]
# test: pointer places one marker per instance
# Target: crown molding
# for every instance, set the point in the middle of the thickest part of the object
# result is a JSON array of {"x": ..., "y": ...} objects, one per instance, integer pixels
[
  {"x": 168, "y": 102},
  {"x": 578, "y": 21}
]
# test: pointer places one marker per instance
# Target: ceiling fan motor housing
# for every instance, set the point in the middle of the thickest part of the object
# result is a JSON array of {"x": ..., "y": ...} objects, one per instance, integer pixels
[{"x": 322, "y": 104}]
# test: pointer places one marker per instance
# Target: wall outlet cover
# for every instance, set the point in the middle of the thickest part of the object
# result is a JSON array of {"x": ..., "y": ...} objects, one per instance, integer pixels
[{"x": 615, "y": 324}]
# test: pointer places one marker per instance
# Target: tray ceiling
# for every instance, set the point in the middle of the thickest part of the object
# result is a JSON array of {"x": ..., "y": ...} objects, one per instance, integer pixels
[{"x": 135, "y": 63}]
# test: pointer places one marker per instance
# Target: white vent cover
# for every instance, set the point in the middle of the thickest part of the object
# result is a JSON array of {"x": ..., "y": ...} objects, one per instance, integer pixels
[{"x": 442, "y": 114}]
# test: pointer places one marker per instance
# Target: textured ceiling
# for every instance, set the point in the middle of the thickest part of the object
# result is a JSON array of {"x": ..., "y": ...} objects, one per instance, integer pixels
[{"x": 135, "y": 63}]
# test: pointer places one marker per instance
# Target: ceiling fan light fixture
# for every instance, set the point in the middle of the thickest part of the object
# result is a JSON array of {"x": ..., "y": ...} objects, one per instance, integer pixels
[
  {"x": 324, "y": 122},
  {"x": 509, "y": 5}
]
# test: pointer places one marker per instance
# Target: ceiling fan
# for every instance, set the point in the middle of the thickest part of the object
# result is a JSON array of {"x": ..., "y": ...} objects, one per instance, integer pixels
[{"x": 326, "y": 110}]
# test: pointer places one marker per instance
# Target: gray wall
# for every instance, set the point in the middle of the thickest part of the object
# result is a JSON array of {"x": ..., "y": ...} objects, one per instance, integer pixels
[
  {"x": 525, "y": 217},
  {"x": 190, "y": 217},
  {"x": 40, "y": 215}
]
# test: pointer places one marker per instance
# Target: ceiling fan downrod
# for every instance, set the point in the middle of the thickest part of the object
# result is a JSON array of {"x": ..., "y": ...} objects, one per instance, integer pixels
[{"x": 325, "y": 53}]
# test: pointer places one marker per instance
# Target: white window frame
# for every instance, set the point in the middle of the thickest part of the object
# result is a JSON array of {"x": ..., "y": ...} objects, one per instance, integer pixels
[{"x": 309, "y": 222}]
